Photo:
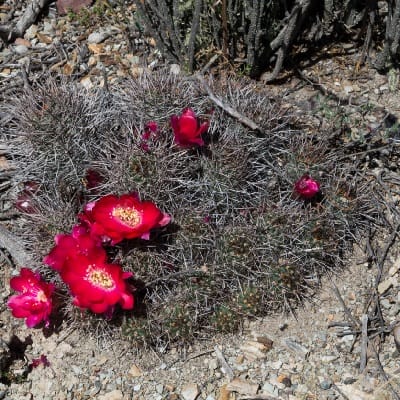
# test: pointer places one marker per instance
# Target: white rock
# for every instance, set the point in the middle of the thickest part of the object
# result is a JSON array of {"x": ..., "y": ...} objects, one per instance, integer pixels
[
  {"x": 113, "y": 395},
  {"x": 190, "y": 391},
  {"x": 353, "y": 393},
  {"x": 254, "y": 350},
  {"x": 348, "y": 89},
  {"x": 98, "y": 37},
  {"x": 30, "y": 33},
  {"x": 386, "y": 285},
  {"x": 175, "y": 69},
  {"x": 21, "y": 49},
  {"x": 242, "y": 386}
]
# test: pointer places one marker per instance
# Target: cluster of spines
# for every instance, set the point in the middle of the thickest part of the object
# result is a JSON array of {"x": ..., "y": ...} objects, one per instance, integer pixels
[{"x": 240, "y": 242}]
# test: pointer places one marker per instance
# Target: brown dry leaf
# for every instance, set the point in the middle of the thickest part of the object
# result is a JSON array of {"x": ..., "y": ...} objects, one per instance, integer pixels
[
  {"x": 4, "y": 164},
  {"x": 5, "y": 72},
  {"x": 68, "y": 68},
  {"x": 44, "y": 38},
  {"x": 96, "y": 48}
]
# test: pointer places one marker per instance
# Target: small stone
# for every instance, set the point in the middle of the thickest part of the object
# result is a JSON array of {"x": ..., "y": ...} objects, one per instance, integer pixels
[
  {"x": 276, "y": 364},
  {"x": 270, "y": 389},
  {"x": 352, "y": 393},
  {"x": 21, "y": 49},
  {"x": 396, "y": 336},
  {"x": 23, "y": 42},
  {"x": 98, "y": 37},
  {"x": 175, "y": 69},
  {"x": 113, "y": 395},
  {"x": 325, "y": 384},
  {"x": 48, "y": 28},
  {"x": 348, "y": 89},
  {"x": 160, "y": 388},
  {"x": 86, "y": 82},
  {"x": 135, "y": 371},
  {"x": 266, "y": 341},
  {"x": 213, "y": 364},
  {"x": 190, "y": 391},
  {"x": 386, "y": 285},
  {"x": 385, "y": 303},
  {"x": 328, "y": 358},
  {"x": 96, "y": 48},
  {"x": 239, "y": 359},
  {"x": 254, "y": 350},
  {"x": 133, "y": 60},
  {"x": 137, "y": 387},
  {"x": 224, "y": 393},
  {"x": 348, "y": 380},
  {"x": 285, "y": 380},
  {"x": 30, "y": 33},
  {"x": 242, "y": 386},
  {"x": 293, "y": 345}
]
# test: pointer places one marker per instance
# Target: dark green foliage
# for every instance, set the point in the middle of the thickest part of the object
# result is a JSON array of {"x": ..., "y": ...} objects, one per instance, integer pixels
[
  {"x": 240, "y": 243},
  {"x": 257, "y": 35}
]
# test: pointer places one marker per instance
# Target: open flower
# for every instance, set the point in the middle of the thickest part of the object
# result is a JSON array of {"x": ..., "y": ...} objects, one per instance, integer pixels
[
  {"x": 187, "y": 130},
  {"x": 80, "y": 242},
  {"x": 97, "y": 286},
  {"x": 307, "y": 187},
  {"x": 124, "y": 217},
  {"x": 34, "y": 301}
]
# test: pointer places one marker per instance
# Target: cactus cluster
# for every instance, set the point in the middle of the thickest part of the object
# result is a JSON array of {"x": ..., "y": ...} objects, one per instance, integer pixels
[{"x": 241, "y": 243}]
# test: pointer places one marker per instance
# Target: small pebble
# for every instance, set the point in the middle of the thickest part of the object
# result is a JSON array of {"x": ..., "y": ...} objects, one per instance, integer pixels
[{"x": 326, "y": 384}]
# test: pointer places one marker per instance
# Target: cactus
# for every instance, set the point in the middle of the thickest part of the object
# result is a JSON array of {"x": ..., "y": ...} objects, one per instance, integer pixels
[{"x": 241, "y": 243}]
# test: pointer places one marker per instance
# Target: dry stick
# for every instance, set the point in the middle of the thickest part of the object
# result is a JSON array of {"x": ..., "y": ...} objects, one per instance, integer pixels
[
  {"x": 11, "y": 243},
  {"x": 345, "y": 308},
  {"x": 227, "y": 108},
  {"x": 383, "y": 373},
  {"x": 340, "y": 392},
  {"x": 364, "y": 342},
  {"x": 29, "y": 17},
  {"x": 224, "y": 365},
  {"x": 384, "y": 253}
]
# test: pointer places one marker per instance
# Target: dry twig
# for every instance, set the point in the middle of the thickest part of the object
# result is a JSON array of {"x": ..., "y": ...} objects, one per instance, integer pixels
[
  {"x": 29, "y": 17},
  {"x": 227, "y": 108}
]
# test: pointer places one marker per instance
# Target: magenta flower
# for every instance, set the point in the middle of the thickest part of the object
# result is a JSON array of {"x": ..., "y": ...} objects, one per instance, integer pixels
[
  {"x": 187, "y": 129},
  {"x": 34, "y": 301},
  {"x": 307, "y": 187},
  {"x": 78, "y": 243}
]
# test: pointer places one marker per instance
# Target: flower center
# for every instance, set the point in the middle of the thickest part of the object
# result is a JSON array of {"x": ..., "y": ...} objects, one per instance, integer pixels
[
  {"x": 41, "y": 296},
  {"x": 100, "y": 279},
  {"x": 128, "y": 216}
]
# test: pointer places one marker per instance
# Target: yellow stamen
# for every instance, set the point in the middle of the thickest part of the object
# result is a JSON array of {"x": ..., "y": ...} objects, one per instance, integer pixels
[
  {"x": 41, "y": 296},
  {"x": 129, "y": 216},
  {"x": 100, "y": 278}
]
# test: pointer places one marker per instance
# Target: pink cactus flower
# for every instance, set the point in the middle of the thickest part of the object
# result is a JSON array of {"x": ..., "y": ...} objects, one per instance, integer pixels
[
  {"x": 307, "y": 187},
  {"x": 34, "y": 301}
]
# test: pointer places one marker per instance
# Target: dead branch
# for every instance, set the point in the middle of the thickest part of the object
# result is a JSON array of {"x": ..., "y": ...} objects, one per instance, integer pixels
[
  {"x": 227, "y": 108},
  {"x": 364, "y": 342},
  {"x": 29, "y": 17}
]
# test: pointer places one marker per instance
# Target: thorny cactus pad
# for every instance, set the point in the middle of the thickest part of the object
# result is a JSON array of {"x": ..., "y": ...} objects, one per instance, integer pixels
[{"x": 241, "y": 241}]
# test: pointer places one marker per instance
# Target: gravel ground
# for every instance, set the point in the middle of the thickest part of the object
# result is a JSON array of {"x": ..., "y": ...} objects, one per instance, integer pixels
[{"x": 297, "y": 356}]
